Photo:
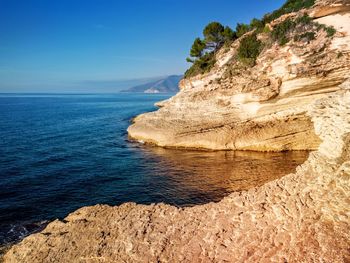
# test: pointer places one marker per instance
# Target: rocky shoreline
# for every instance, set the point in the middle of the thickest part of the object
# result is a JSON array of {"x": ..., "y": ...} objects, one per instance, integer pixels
[
  {"x": 297, "y": 97},
  {"x": 302, "y": 217},
  {"x": 260, "y": 108}
]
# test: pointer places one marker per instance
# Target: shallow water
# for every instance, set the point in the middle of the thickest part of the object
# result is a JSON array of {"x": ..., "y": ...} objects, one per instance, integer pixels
[{"x": 62, "y": 152}]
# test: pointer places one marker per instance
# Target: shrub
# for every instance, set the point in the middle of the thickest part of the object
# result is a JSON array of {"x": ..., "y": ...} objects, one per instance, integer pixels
[
  {"x": 257, "y": 24},
  {"x": 296, "y": 5},
  {"x": 288, "y": 7},
  {"x": 308, "y": 36},
  {"x": 249, "y": 49},
  {"x": 280, "y": 32},
  {"x": 304, "y": 20},
  {"x": 229, "y": 35},
  {"x": 266, "y": 29},
  {"x": 201, "y": 65},
  {"x": 284, "y": 40},
  {"x": 330, "y": 31},
  {"x": 241, "y": 29},
  {"x": 216, "y": 36}
]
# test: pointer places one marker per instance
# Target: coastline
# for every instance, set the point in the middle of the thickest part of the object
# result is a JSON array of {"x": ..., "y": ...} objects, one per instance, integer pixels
[
  {"x": 300, "y": 217},
  {"x": 259, "y": 108},
  {"x": 295, "y": 96}
]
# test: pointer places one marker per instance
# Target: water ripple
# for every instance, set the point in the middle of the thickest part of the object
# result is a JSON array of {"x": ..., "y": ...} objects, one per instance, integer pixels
[{"x": 61, "y": 152}]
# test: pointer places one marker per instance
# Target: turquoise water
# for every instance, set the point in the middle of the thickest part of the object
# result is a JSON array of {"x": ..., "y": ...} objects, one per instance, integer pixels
[{"x": 61, "y": 152}]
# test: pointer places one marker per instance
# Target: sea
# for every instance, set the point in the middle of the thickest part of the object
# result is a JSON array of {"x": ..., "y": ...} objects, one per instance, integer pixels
[{"x": 59, "y": 152}]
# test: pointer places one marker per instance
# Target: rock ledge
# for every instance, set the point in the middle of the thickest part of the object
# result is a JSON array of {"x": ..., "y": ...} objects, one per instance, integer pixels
[{"x": 302, "y": 217}]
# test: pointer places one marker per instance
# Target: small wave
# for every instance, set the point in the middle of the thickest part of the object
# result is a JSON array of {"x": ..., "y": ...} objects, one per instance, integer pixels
[{"x": 15, "y": 232}]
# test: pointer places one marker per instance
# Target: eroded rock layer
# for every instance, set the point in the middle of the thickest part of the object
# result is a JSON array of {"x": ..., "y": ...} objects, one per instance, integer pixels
[
  {"x": 302, "y": 217},
  {"x": 296, "y": 97},
  {"x": 262, "y": 107}
]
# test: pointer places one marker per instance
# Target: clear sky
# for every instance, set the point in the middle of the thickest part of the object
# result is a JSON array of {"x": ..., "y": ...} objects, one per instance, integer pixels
[{"x": 80, "y": 45}]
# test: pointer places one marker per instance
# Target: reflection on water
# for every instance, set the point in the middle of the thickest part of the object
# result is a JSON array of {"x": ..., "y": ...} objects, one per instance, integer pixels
[
  {"x": 211, "y": 175},
  {"x": 61, "y": 152}
]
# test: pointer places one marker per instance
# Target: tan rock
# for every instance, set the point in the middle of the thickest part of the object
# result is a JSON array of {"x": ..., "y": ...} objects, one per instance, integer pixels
[
  {"x": 302, "y": 217},
  {"x": 260, "y": 108},
  {"x": 329, "y": 7}
]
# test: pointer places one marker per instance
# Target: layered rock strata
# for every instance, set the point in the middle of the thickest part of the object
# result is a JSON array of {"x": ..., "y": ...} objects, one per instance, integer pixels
[
  {"x": 296, "y": 97},
  {"x": 260, "y": 108},
  {"x": 302, "y": 217}
]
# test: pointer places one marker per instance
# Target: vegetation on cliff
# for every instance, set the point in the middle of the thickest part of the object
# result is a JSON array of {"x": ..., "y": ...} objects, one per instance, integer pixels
[
  {"x": 301, "y": 28},
  {"x": 288, "y": 7},
  {"x": 202, "y": 53},
  {"x": 249, "y": 49}
]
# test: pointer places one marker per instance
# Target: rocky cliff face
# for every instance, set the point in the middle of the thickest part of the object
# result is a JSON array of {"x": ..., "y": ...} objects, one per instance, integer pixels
[
  {"x": 296, "y": 97},
  {"x": 302, "y": 217},
  {"x": 262, "y": 107}
]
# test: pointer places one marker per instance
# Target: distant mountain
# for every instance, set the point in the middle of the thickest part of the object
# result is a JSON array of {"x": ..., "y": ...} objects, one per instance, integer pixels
[{"x": 164, "y": 85}]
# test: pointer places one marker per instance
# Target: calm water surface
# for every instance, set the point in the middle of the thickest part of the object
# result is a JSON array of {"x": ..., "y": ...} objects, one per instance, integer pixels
[{"x": 62, "y": 152}]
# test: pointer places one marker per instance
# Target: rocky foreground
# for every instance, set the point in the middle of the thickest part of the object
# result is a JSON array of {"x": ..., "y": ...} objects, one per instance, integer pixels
[{"x": 302, "y": 217}]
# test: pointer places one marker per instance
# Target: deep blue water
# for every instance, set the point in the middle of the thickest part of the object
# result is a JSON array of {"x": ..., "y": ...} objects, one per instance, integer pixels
[{"x": 62, "y": 152}]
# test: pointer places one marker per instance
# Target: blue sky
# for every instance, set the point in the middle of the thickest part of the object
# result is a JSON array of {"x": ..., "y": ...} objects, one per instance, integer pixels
[{"x": 64, "y": 45}]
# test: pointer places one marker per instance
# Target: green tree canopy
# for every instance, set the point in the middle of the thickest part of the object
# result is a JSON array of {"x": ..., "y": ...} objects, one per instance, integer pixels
[
  {"x": 229, "y": 34},
  {"x": 202, "y": 50},
  {"x": 197, "y": 48},
  {"x": 214, "y": 34},
  {"x": 256, "y": 23},
  {"x": 250, "y": 47},
  {"x": 241, "y": 29}
]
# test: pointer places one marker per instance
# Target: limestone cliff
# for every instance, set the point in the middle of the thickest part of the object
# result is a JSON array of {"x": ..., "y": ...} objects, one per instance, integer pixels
[
  {"x": 261, "y": 107},
  {"x": 296, "y": 97},
  {"x": 302, "y": 217}
]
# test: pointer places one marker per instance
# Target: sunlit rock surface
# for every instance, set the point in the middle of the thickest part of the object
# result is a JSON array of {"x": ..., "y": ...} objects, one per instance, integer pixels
[
  {"x": 290, "y": 100},
  {"x": 261, "y": 108},
  {"x": 303, "y": 217}
]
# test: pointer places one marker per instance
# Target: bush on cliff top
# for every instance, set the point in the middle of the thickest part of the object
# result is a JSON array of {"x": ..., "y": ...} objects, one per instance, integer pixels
[
  {"x": 201, "y": 65},
  {"x": 202, "y": 54},
  {"x": 308, "y": 36},
  {"x": 288, "y": 7},
  {"x": 249, "y": 49},
  {"x": 302, "y": 27},
  {"x": 280, "y": 32}
]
